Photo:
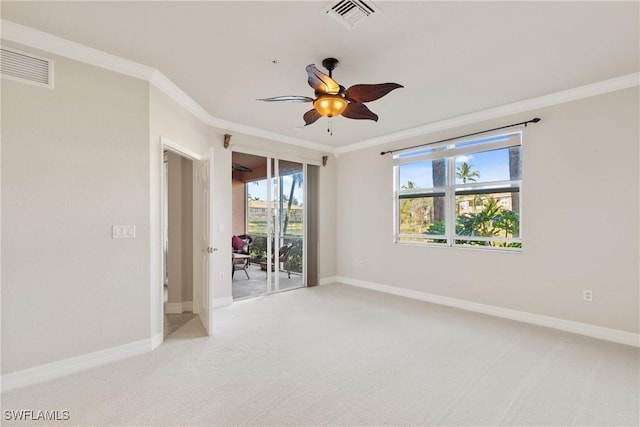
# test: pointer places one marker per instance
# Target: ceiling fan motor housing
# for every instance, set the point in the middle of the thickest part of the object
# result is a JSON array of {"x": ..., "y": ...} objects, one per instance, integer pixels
[{"x": 330, "y": 64}]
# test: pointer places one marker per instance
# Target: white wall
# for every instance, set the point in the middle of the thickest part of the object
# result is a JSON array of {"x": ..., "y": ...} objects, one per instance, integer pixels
[
  {"x": 86, "y": 155},
  {"x": 174, "y": 222},
  {"x": 170, "y": 120},
  {"x": 180, "y": 233},
  {"x": 580, "y": 218},
  {"x": 167, "y": 120},
  {"x": 75, "y": 162}
]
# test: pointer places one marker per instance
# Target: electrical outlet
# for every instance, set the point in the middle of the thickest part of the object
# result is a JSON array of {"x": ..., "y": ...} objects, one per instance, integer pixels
[
  {"x": 221, "y": 276},
  {"x": 587, "y": 295}
]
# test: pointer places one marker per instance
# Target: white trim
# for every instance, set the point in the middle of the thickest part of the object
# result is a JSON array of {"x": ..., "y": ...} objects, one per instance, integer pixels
[
  {"x": 44, "y": 41},
  {"x": 40, "y": 40},
  {"x": 170, "y": 89},
  {"x": 76, "y": 364},
  {"x": 196, "y": 259},
  {"x": 328, "y": 280},
  {"x": 221, "y": 302},
  {"x": 173, "y": 308},
  {"x": 168, "y": 144},
  {"x": 156, "y": 340},
  {"x": 181, "y": 307},
  {"x": 305, "y": 222},
  {"x": 453, "y": 149},
  {"x": 178, "y": 307},
  {"x": 608, "y": 334},
  {"x": 272, "y": 136},
  {"x": 599, "y": 88},
  {"x": 156, "y": 236}
]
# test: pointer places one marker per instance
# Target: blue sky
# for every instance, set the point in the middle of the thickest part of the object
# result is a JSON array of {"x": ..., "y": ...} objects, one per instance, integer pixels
[{"x": 492, "y": 166}]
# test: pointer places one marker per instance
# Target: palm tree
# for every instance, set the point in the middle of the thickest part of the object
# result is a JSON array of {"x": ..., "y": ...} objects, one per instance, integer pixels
[
  {"x": 409, "y": 186},
  {"x": 515, "y": 172},
  {"x": 296, "y": 179},
  {"x": 439, "y": 176},
  {"x": 465, "y": 173},
  {"x": 508, "y": 222}
]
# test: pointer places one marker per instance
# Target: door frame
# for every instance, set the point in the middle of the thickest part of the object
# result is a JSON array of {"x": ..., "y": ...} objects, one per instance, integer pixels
[
  {"x": 169, "y": 145},
  {"x": 269, "y": 155}
]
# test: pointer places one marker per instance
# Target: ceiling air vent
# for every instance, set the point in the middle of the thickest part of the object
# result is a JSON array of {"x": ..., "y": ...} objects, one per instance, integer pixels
[
  {"x": 26, "y": 67},
  {"x": 351, "y": 12}
]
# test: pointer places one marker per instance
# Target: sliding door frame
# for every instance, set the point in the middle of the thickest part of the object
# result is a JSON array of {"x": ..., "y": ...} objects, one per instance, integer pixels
[{"x": 273, "y": 158}]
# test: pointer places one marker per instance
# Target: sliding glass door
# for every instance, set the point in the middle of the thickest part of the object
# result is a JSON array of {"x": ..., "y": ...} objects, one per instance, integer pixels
[
  {"x": 269, "y": 208},
  {"x": 286, "y": 230}
]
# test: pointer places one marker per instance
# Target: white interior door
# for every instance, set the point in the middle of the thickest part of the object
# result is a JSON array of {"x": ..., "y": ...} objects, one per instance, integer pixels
[{"x": 205, "y": 239}]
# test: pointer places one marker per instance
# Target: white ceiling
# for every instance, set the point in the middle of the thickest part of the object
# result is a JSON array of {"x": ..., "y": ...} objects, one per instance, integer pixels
[{"x": 453, "y": 58}]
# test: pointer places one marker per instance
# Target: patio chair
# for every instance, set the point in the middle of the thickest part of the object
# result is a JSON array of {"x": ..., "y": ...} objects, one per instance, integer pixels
[
  {"x": 241, "y": 249},
  {"x": 283, "y": 257}
]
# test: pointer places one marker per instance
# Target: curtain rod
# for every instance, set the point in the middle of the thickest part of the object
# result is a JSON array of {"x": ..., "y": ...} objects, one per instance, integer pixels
[{"x": 534, "y": 120}]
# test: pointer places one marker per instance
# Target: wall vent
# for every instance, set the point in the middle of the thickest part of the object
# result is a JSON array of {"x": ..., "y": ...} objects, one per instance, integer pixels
[
  {"x": 26, "y": 67},
  {"x": 351, "y": 12}
]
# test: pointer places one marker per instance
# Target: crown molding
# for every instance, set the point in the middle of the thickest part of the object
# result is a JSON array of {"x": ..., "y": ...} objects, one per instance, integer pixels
[
  {"x": 47, "y": 42},
  {"x": 163, "y": 83},
  {"x": 599, "y": 88},
  {"x": 44, "y": 41},
  {"x": 170, "y": 89}
]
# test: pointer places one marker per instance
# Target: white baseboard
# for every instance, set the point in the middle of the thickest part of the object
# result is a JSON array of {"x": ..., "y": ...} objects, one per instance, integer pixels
[
  {"x": 328, "y": 280},
  {"x": 156, "y": 341},
  {"x": 75, "y": 364},
  {"x": 615, "y": 335},
  {"x": 221, "y": 302},
  {"x": 178, "y": 307},
  {"x": 173, "y": 308}
]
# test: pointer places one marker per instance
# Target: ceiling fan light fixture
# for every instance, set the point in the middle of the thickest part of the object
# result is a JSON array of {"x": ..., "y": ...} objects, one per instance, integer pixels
[
  {"x": 330, "y": 105},
  {"x": 332, "y": 99}
]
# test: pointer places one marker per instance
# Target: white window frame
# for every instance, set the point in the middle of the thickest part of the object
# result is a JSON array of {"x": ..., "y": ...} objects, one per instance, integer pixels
[{"x": 449, "y": 151}]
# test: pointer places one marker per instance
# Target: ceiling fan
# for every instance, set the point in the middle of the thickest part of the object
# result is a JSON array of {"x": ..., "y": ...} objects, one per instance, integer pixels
[
  {"x": 240, "y": 168},
  {"x": 332, "y": 99}
]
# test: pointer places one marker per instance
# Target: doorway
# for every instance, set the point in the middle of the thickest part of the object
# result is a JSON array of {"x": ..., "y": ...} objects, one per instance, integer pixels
[
  {"x": 268, "y": 224},
  {"x": 185, "y": 239},
  {"x": 178, "y": 237}
]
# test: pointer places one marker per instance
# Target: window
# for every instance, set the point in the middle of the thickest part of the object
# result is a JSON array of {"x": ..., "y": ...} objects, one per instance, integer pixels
[{"x": 465, "y": 193}]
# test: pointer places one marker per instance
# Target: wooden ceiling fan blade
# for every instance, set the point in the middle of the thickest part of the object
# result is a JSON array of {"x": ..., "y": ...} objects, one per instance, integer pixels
[
  {"x": 240, "y": 168},
  {"x": 320, "y": 82},
  {"x": 287, "y": 98},
  {"x": 368, "y": 93},
  {"x": 358, "y": 111},
  {"x": 311, "y": 116}
]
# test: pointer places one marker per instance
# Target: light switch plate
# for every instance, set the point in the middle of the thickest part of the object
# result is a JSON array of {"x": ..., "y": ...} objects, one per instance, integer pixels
[{"x": 123, "y": 232}]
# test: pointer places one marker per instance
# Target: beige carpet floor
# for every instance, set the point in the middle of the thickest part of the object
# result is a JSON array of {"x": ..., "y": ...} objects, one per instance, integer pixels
[{"x": 339, "y": 355}]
